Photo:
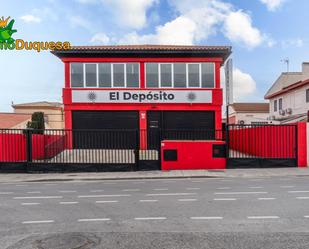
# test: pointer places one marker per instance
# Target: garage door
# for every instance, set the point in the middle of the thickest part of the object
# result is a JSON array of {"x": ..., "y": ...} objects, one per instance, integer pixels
[{"x": 105, "y": 129}]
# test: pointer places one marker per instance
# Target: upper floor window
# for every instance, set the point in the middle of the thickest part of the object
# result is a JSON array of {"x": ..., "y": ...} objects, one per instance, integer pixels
[
  {"x": 105, "y": 75},
  {"x": 275, "y": 105},
  {"x": 280, "y": 104},
  {"x": 180, "y": 75},
  {"x": 307, "y": 96}
]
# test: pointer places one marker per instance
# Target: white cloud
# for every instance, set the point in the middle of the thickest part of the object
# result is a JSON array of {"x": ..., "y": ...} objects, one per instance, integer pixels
[
  {"x": 298, "y": 42},
  {"x": 238, "y": 28},
  {"x": 127, "y": 13},
  {"x": 273, "y": 5},
  {"x": 197, "y": 20},
  {"x": 30, "y": 19},
  {"x": 79, "y": 21},
  {"x": 243, "y": 85},
  {"x": 100, "y": 38}
]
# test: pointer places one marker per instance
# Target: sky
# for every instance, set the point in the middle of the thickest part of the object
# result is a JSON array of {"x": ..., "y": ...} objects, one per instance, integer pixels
[{"x": 262, "y": 34}]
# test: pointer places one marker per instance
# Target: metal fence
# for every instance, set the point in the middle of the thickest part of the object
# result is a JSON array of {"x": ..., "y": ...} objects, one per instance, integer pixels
[{"x": 90, "y": 150}]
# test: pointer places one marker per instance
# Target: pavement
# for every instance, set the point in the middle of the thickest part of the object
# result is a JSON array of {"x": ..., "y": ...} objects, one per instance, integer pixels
[
  {"x": 228, "y": 173},
  {"x": 207, "y": 212}
]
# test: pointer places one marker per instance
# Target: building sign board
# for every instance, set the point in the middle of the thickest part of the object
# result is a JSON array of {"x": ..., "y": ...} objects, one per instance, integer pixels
[{"x": 138, "y": 96}]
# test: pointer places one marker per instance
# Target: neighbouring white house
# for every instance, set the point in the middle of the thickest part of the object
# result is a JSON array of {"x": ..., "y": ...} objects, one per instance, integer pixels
[
  {"x": 289, "y": 96},
  {"x": 249, "y": 113}
]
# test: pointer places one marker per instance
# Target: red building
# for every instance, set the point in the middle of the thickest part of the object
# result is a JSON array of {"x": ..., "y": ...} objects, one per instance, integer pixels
[{"x": 143, "y": 87}]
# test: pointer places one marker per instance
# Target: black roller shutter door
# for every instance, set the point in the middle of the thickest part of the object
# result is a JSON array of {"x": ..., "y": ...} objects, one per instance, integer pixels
[
  {"x": 189, "y": 125},
  {"x": 105, "y": 129}
]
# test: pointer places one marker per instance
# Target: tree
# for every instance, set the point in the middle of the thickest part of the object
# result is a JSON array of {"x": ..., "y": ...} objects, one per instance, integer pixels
[{"x": 37, "y": 123}]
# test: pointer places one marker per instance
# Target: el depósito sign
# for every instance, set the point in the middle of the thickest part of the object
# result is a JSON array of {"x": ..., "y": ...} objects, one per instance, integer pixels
[{"x": 137, "y": 96}]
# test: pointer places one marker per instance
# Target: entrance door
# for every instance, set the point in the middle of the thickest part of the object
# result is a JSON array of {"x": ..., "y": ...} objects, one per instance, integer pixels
[{"x": 153, "y": 129}]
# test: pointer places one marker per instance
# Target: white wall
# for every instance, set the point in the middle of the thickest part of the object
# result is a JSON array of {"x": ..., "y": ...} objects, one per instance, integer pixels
[
  {"x": 252, "y": 117},
  {"x": 294, "y": 99}
]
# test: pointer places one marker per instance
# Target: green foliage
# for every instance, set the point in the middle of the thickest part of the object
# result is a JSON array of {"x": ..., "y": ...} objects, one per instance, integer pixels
[{"x": 37, "y": 123}]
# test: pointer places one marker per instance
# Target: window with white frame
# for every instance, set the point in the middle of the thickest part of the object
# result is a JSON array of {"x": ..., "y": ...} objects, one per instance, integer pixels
[
  {"x": 307, "y": 96},
  {"x": 77, "y": 74},
  {"x": 275, "y": 105},
  {"x": 280, "y": 104},
  {"x": 105, "y": 75},
  {"x": 180, "y": 75}
]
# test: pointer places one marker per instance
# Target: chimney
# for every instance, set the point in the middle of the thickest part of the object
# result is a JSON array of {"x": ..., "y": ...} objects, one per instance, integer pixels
[{"x": 305, "y": 69}]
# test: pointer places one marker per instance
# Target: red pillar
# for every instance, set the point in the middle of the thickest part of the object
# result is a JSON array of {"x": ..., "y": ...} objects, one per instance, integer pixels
[
  {"x": 143, "y": 129},
  {"x": 302, "y": 144}
]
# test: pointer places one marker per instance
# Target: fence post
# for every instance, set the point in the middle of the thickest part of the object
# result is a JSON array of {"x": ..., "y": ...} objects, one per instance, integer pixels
[
  {"x": 136, "y": 151},
  {"x": 28, "y": 146},
  {"x": 227, "y": 141}
]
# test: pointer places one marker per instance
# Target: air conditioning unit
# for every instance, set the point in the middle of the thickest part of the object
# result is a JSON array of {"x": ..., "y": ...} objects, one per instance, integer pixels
[
  {"x": 241, "y": 122},
  {"x": 289, "y": 111},
  {"x": 282, "y": 112}
]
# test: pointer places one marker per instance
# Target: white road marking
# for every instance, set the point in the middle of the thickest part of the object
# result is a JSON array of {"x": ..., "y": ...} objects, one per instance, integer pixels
[
  {"x": 187, "y": 199},
  {"x": 106, "y": 201},
  {"x": 150, "y": 218},
  {"x": 263, "y": 217},
  {"x": 160, "y": 189},
  {"x": 98, "y": 219},
  {"x": 148, "y": 200},
  {"x": 222, "y": 188},
  {"x": 256, "y": 187},
  {"x": 30, "y": 203},
  {"x": 34, "y": 192},
  {"x": 38, "y": 221},
  {"x": 298, "y": 191},
  {"x": 170, "y": 194},
  {"x": 192, "y": 188},
  {"x": 38, "y": 197},
  {"x": 266, "y": 198},
  {"x": 239, "y": 193},
  {"x": 287, "y": 186},
  {"x": 100, "y": 196},
  {"x": 306, "y": 216},
  {"x": 6, "y": 193},
  {"x": 67, "y": 191},
  {"x": 207, "y": 218},
  {"x": 97, "y": 191},
  {"x": 68, "y": 202},
  {"x": 302, "y": 197},
  {"x": 131, "y": 190},
  {"x": 197, "y": 181},
  {"x": 225, "y": 199}
]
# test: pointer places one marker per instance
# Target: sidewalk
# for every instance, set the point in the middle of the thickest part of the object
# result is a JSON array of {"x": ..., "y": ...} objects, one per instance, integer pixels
[{"x": 229, "y": 173}]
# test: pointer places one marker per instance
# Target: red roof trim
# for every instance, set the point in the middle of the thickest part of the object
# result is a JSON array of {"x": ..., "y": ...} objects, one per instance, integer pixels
[{"x": 288, "y": 88}]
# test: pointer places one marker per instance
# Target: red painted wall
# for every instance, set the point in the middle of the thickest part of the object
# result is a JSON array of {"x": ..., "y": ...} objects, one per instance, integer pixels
[
  {"x": 302, "y": 144},
  {"x": 192, "y": 155},
  {"x": 13, "y": 147},
  {"x": 265, "y": 141}
]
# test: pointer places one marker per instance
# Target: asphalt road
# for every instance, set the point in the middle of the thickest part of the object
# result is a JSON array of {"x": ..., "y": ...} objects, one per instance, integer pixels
[{"x": 180, "y": 213}]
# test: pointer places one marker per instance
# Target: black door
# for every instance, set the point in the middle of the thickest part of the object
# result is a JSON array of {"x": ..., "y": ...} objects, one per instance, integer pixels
[
  {"x": 105, "y": 129},
  {"x": 153, "y": 129}
]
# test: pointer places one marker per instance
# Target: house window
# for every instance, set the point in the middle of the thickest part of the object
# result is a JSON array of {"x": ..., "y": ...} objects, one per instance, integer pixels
[
  {"x": 194, "y": 75},
  {"x": 152, "y": 75},
  {"x": 180, "y": 75},
  {"x": 280, "y": 104},
  {"x": 77, "y": 75},
  {"x": 91, "y": 75},
  {"x": 307, "y": 96},
  {"x": 105, "y": 75},
  {"x": 208, "y": 75},
  {"x": 132, "y": 72},
  {"x": 166, "y": 75},
  {"x": 275, "y": 105}
]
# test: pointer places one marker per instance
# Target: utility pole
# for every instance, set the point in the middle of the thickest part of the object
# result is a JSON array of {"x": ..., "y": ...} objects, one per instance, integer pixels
[{"x": 287, "y": 62}]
